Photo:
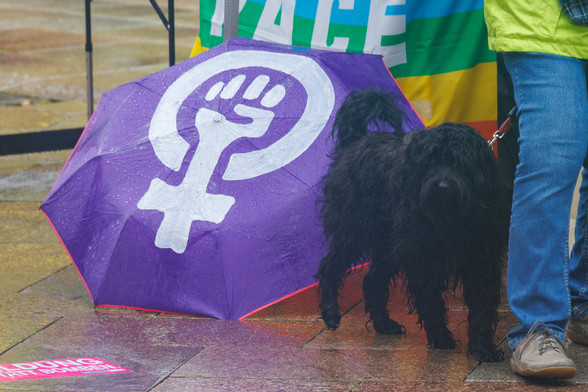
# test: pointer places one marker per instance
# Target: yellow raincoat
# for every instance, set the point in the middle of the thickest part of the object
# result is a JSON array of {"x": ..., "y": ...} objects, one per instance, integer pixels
[{"x": 534, "y": 26}]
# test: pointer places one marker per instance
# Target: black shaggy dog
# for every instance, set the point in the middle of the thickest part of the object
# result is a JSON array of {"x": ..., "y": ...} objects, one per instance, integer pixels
[{"x": 425, "y": 207}]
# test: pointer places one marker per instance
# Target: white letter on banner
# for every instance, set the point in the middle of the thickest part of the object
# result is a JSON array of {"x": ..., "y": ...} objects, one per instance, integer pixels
[
  {"x": 268, "y": 30},
  {"x": 379, "y": 25},
  {"x": 218, "y": 18},
  {"x": 321, "y": 25}
]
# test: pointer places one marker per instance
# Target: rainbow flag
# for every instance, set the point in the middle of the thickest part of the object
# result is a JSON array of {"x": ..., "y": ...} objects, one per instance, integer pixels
[{"x": 436, "y": 49}]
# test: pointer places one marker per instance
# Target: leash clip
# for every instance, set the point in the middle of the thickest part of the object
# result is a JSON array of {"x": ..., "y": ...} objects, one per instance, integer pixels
[
  {"x": 497, "y": 135},
  {"x": 504, "y": 128}
]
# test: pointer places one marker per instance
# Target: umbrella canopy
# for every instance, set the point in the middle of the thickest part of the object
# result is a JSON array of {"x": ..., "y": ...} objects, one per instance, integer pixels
[{"x": 194, "y": 190}]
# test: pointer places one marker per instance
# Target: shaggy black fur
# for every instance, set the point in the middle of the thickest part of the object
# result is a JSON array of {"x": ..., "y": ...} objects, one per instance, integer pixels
[{"x": 425, "y": 207}]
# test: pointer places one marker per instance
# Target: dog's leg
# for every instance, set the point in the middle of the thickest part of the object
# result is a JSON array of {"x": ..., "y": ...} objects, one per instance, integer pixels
[
  {"x": 482, "y": 296},
  {"x": 376, "y": 292},
  {"x": 432, "y": 312},
  {"x": 330, "y": 276}
]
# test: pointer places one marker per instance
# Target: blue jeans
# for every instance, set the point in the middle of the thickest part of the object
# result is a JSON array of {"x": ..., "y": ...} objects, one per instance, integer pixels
[{"x": 545, "y": 283}]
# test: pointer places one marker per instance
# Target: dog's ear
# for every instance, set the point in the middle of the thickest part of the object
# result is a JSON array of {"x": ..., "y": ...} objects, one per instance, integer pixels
[
  {"x": 457, "y": 145},
  {"x": 485, "y": 171},
  {"x": 420, "y": 144},
  {"x": 472, "y": 152},
  {"x": 363, "y": 111}
]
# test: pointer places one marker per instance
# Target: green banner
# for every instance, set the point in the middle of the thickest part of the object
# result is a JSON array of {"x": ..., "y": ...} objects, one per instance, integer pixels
[{"x": 436, "y": 49}]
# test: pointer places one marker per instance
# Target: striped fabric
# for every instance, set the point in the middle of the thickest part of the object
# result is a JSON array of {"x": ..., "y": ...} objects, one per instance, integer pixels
[
  {"x": 577, "y": 10},
  {"x": 436, "y": 49}
]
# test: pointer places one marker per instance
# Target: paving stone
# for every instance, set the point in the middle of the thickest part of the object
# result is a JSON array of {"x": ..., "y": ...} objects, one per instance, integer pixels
[
  {"x": 30, "y": 177},
  {"x": 23, "y": 222},
  {"x": 380, "y": 386},
  {"x": 305, "y": 305},
  {"x": 32, "y": 184},
  {"x": 27, "y": 39},
  {"x": 42, "y": 53},
  {"x": 13, "y": 122},
  {"x": 271, "y": 362},
  {"x": 501, "y": 372},
  {"x": 22, "y": 265},
  {"x": 137, "y": 344},
  {"x": 47, "y": 313},
  {"x": 32, "y": 309},
  {"x": 182, "y": 384},
  {"x": 12, "y": 164}
]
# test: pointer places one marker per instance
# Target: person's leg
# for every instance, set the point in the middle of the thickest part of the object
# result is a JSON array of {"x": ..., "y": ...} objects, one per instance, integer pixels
[
  {"x": 549, "y": 91},
  {"x": 577, "y": 329},
  {"x": 579, "y": 255}
]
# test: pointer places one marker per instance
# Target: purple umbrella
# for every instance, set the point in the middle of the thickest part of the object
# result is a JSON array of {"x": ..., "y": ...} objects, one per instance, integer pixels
[{"x": 194, "y": 190}]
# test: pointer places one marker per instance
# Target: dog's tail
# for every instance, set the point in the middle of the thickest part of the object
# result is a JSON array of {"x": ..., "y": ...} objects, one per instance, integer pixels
[{"x": 363, "y": 111}]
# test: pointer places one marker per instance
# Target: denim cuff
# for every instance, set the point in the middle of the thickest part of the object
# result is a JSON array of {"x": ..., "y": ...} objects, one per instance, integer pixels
[
  {"x": 580, "y": 311},
  {"x": 514, "y": 340}
]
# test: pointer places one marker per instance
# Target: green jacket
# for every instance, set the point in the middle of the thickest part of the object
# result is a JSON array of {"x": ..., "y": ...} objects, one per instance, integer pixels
[{"x": 534, "y": 26}]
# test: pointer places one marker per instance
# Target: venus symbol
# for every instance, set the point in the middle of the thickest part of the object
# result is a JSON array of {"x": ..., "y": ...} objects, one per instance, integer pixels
[{"x": 190, "y": 200}]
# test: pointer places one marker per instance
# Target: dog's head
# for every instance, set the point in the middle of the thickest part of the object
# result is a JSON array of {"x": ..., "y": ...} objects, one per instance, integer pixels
[{"x": 452, "y": 172}]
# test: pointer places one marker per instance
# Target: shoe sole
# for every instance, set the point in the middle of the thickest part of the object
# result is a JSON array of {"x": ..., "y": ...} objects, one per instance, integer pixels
[
  {"x": 562, "y": 372},
  {"x": 576, "y": 338}
]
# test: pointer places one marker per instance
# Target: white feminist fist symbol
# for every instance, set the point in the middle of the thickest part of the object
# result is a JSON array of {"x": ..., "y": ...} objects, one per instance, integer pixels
[{"x": 190, "y": 200}]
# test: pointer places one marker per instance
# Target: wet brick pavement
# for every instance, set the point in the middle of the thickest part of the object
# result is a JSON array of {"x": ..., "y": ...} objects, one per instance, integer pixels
[{"x": 46, "y": 312}]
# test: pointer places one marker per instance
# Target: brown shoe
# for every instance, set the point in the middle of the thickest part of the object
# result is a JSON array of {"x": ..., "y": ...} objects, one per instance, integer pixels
[
  {"x": 577, "y": 330},
  {"x": 542, "y": 354}
]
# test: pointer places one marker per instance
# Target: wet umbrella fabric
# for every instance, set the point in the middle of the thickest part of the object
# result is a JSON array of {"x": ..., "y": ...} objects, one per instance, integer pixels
[{"x": 194, "y": 190}]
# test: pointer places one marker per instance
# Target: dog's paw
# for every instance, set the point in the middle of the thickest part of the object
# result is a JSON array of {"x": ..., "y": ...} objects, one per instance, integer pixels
[
  {"x": 485, "y": 352},
  {"x": 332, "y": 319},
  {"x": 389, "y": 327},
  {"x": 442, "y": 341}
]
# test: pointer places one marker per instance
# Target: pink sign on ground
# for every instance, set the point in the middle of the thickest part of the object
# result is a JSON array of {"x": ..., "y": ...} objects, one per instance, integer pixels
[{"x": 57, "y": 368}]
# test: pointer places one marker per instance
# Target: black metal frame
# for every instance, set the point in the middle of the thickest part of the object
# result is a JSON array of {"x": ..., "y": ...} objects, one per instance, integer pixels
[
  {"x": 67, "y": 138},
  {"x": 168, "y": 23}
]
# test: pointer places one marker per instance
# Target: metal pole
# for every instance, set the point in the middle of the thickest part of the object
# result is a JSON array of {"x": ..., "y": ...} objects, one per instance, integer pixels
[
  {"x": 89, "y": 76},
  {"x": 231, "y": 19},
  {"x": 169, "y": 26},
  {"x": 172, "y": 33}
]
